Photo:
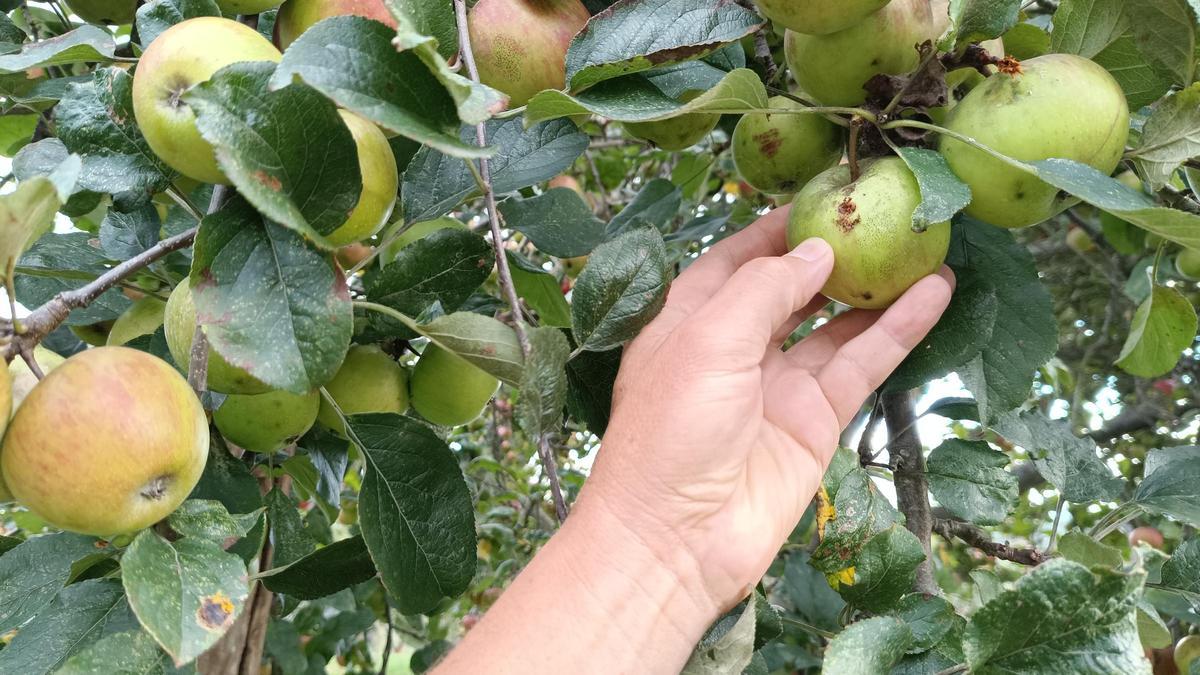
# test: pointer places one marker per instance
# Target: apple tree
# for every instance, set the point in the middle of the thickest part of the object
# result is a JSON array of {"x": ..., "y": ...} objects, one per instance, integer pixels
[{"x": 315, "y": 309}]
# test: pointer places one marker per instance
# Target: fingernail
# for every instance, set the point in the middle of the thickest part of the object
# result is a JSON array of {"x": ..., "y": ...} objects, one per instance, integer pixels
[{"x": 811, "y": 250}]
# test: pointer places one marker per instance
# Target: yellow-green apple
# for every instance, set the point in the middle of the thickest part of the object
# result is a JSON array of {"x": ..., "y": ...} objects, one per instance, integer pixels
[
  {"x": 449, "y": 391},
  {"x": 183, "y": 56},
  {"x": 180, "y": 328},
  {"x": 676, "y": 133},
  {"x": 368, "y": 381},
  {"x": 142, "y": 318},
  {"x": 266, "y": 422},
  {"x": 246, "y": 7},
  {"x": 413, "y": 233},
  {"x": 1187, "y": 263},
  {"x": 104, "y": 12},
  {"x": 521, "y": 45},
  {"x": 380, "y": 183},
  {"x": 1079, "y": 240},
  {"x": 1053, "y": 106},
  {"x": 818, "y": 17},
  {"x": 868, "y": 223},
  {"x": 297, "y": 16},
  {"x": 573, "y": 266},
  {"x": 833, "y": 68},
  {"x": 110, "y": 442},
  {"x": 1187, "y": 652},
  {"x": 778, "y": 153}
]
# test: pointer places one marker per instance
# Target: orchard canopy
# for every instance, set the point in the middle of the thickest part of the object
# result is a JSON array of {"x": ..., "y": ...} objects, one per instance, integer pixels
[{"x": 314, "y": 313}]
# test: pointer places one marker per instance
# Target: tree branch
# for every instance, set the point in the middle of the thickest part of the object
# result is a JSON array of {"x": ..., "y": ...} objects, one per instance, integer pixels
[
  {"x": 912, "y": 487},
  {"x": 980, "y": 539}
]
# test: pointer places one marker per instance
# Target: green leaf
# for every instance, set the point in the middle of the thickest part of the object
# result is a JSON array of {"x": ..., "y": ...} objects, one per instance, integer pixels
[
  {"x": 1026, "y": 629},
  {"x": 11, "y": 37},
  {"x": 61, "y": 262},
  {"x": 156, "y": 16},
  {"x": 1172, "y": 483},
  {"x": 636, "y": 35},
  {"x": 288, "y": 151},
  {"x": 415, "y": 511},
  {"x": 1170, "y": 136},
  {"x": 434, "y": 19},
  {"x": 809, "y": 593},
  {"x": 1165, "y": 32},
  {"x": 969, "y": 479},
  {"x": 268, "y": 302},
  {"x": 1026, "y": 41},
  {"x": 292, "y": 542},
  {"x": 126, "y": 234},
  {"x": 27, "y": 213},
  {"x": 884, "y": 570},
  {"x": 960, "y": 335},
  {"x": 1164, "y": 325},
  {"x": 1087, "y": 27},
  {"x": 728, "y": 646},
  {"x": 1070, "y": 463},
  {"x": 621, "y": 290},
  {"x": 1153, "y": 632},
  {"x": 435, "y": 183},
  {"x": 942, "y": 193},
  {"x": 1078, "y": 547},
  {"x": 979, "y": 20},
  {"x": 590, "y": 379},
  {"x": 79, "y": 616},
  {"x": 352, "y": 60},
  {"x": 868, "y": 647},
  {"x": 228, "y": 481},
  {"x": 209, "y": 519},
  {"x": 33, "y": 572},
  {"x": 1182, "y": 570},
  {"x": 16, "y": 131},
  {"x": 655, "y": 205},
  {"x": 930, "y": 618},
  {"x": 860, "y": 513},
  {"x": 131, "y": 652},
  {"x": 540, "y": 290},
  {"x": 486, "y": 343},
  {"x": 955, "y": 408},
  {"x": 544, "y": 385},
  {"x": 323, "y": 572},
  {"x": 83, "y": 45},
  {"x": 558, "y": 222}
]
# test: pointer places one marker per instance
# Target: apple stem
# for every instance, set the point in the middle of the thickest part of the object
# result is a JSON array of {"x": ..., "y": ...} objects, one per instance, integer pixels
[{"x": 852, "y": 148}]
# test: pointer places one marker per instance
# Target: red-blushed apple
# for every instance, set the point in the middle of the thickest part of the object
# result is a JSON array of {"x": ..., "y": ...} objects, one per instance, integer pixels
[
  {"x": 818, "y": 17},
  {"x": 180, "y": 329},
  {"x": 449, "y": 391},
  {"x": 380, "y": 183},
  {"x": 1150, "y": 536},
  {"x": 183, "y": 56},
  {"x": 266, "y": 422},
  {"x": 369, "y": 381},
  {"x": 520, "y": 46},
  {"x": 778, "y": 153},
  {"x": 297, "y": 16},
  {"x": 110, "y": 442}
]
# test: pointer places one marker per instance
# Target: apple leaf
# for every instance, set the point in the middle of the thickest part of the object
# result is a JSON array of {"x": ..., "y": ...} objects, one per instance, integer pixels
[
  {"x": 942, "y": 193},
  {"x": 1170, "y": 136},
  {"x": 558, "y": 222},
  {"x": 540, "y": 290},
  {"x": 728, "y": 646},
  {"x": 969, "y": 479},
  {"x": 209, "y": 519},
  {"x": 323, "y": 572},
  {"x": 590, "y": 379},
  {"x": 60, "y": 262},
  {"x": 26, "y": 214},
  {"x": 11, "y": 36},
  {"x": 1164, "y": 325},
  {"x": 430, "y": 20},
  {"x": 292, "y": 541},
  {"x": 636, "y": 35},
  {"x": 1071, "y": 464},
  {"x": 1080, "y": 548},
  {"x": 655, "y": 205},
  {"x": 979, "y": 20},
  {"x": 268, "y": 302},
  {"x": 435, "y": 183},
  {"x": 1026, "y": 41},
  {"x": 1182, "y": 570},
  {"x": 622, "y": 288},
  {"x": 1172, "y": 483},
  {"x": 1165, "y": 33},
  {"x": 414, "y": 510},
  {"x": 869, "y": 647},
  {"x": 156, "y": 16},
  {"x": 85, "y": 44},
  {"x": 481, "y": 340},
  {"x": 126, "y": 234},
  {"x": 132, "y": 651},
  {"x": 16, "y": 131},
  {"x": 352, "y": 60},
  {"x": 858, "y": 513},
  {"x": 185, "y": 593},
  {"x": 884, "y": 570},
  {"x": 544, "y": 383},
  {"x": 79, "y": 616},
  {"x": 34, "y": 571},
  {"x": 288, "y": 151},
  {"x": 930, "y": 617}
]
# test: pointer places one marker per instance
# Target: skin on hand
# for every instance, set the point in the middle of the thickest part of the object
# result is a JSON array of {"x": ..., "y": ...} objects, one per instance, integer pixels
[{"x": 718, "y": 442}]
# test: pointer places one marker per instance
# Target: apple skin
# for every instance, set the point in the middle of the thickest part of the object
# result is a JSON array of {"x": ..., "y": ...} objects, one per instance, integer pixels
[
  {"x": 181, "y": 57},
  {"x": 142, "y": 318},
  {"x": 369, "y": 381},
  {"x": 521, "y": 45},
  {"x": 380, "y": 183},
  {"x": 1187, "y": 263},
  {"x": 1059, "y": 105},
  {"x": 1149, "y": 535},
  {"x": 414, "y": 232},
  {"x": 1080, "y": 241},
  {"x": 116, "y": 460},
  {"x": 449, "y": 391},
  {"x": 180, "y": 328},
  {"x": 676, "y": 133},
  {"x": 868, "y": 223},
  {"x": 266, "y": 422},
  {"x": 104, "y": 12},
  {"x": 779, "y": 153},
  {"x": 833, "y": 68},
  {"x": 818, "y": 17},
  {"x": 1187, "y": 651},
  {"x": 297, "y": 16}
]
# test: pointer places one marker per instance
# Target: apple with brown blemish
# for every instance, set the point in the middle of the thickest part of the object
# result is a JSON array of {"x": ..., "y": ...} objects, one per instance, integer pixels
[{"x": 778, "y": 153}]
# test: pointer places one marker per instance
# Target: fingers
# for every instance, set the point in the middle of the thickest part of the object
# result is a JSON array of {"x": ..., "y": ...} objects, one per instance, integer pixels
[
  {"x": 816, "y": 349},
  {"x": 863, "y": 363}
]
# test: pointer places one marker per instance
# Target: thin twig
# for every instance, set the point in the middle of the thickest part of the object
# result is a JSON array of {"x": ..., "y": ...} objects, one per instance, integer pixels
[
  {"x": 546, "y": 454},
  {"x": 605, "y": 211},
  {"x": 31, "y": 361},
  {"x": 387, "y": 643},
  {"x": 1062, "y": 503},
  {"x": 980, "y": 539},
  {"x": 762, "y": 51},
  {"x": 865, "y": 454}
]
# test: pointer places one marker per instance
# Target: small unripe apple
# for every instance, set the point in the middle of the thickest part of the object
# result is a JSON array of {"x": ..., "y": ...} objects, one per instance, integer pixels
[
  {"x": 521, "y": 45},
  {"x": 1147, "y": 535},
  {"x": 266, "y": 422},
  {"x": 380, "y": 182},
  {"x": 833, "y": 68},
  {"x": 1056, "y": 106},
  {"x": 369, "y": 381},
  {"x": 569, "y": 182},
  {"x": 352, "y": 254},
  {"x": 573, "y": 266},
  {"x": 1187, "y": 263},
  {"x": 142, "y": 318},
  {"x": 676, "y": 133},
  {"x": 780, "y": 152},
  {"x": 818, "y": 17},
  {"x": 297, "y": 16},
  {"x": 180, "y": 329},
  {"x": 413, "y": 233},
  {"x": 110, "y": 442},
  {"x": 449, "y": 391},
  {"x": 1079, "y": 240},
  {"x": 1187, "y": 651},
  {"x": 183, "y": 56},
  {"x": 868, "y": 223},
  {"x": 104, "y": 12}
]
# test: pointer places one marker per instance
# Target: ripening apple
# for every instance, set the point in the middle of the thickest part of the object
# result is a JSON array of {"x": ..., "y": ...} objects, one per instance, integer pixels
[
  {"x": 266, "y": 422},
  {"x": 676, "y": 133},
  {"x": 868, "y": 223},
  {"x": 180, "y": 329},
  {"x": 1187, "y": 263},
  {"x": 369, "y": 381},
  {"x": 520, "y": 46},
  {"x": 1150, "y": 536},
  {"x": 413, "y": 233},
  {"x": 297, "y": 16},
  {"x": 113, "y": 461},
  {"x": 449, "y": 391},
  {"x": 778, "y": 153},
  {"x": 1187, "y": 652},
  {"x": 833, "y": 68},
  {"x": 1055, "y": 106},
  {"x": 143, "y": 317},
  {"x": 818, "y": 17},
  {"x": 104, "y": 12},
  {"x": 183, "y": 56},
  {"x": 380, "y": 183}
]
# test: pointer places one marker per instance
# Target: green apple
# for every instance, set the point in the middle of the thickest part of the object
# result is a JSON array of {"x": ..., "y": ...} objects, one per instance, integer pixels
[
  {"x": 180, "y": 328},
  {"x": 380, "y": 183},
  {"x": 413, "y": 233},
  {"x": 297, "y": 16},
  {"x": 369, "y": 381},
  {"x": 868, "y": 223},
  {"x": 573, "y": 266},
  {"x": 113, "y": 461},
  {"x": 246, "y": 7},
  {"x": 449, "y": 391},
  {"x": 818, "y": 17},
  {"x": 778, "y": 153},
  {"x": 94, "y": 334},
  {"x": 676, "y": 133},
  {"x": 1187, "y": 652},
  {"x": 183, "y": 56},
  {"x": 266, "y": 422},
  {"x": 1057, "y": 106},
  {"x": 521, "y": 45},
  {"x": 142, "y": 318},
  {"x": 833, "y": 68},
  {"x": 22, "y": 378},
  {"x": 1187, "y": 263},
  {"x": 1079, "y": 240},
  {"x": 104, "y": 12}
]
